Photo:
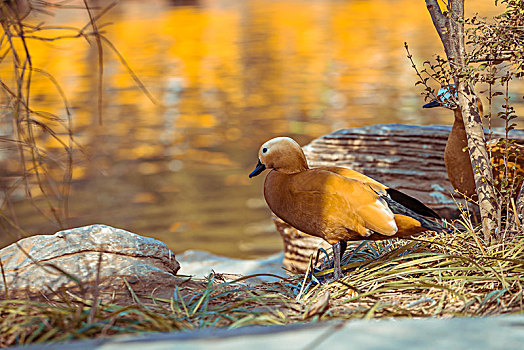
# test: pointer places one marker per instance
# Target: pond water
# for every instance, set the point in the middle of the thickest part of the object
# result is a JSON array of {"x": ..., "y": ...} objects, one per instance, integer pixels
[{"x": 224, "y": 76}]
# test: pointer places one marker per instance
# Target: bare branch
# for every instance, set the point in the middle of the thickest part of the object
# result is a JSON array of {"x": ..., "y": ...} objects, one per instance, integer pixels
[
  {"x": 440, "y": 22},
  {"x": 490, "y": 58},
  {"x": 100, "y": 60}
]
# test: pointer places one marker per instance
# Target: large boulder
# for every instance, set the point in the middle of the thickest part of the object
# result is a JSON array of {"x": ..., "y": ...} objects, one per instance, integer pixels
[{"x": 91, "y": 260}]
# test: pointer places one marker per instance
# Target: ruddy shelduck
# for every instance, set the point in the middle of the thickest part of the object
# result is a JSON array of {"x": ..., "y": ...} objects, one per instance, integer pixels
[
  {"x": 334, "y": 203},
  {"x": 456, "y": 155}
]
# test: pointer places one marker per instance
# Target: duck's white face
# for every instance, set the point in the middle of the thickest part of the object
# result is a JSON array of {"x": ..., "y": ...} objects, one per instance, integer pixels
[
  {"x": 281, "y": 153},
  {"x": 274, "y": 148}
]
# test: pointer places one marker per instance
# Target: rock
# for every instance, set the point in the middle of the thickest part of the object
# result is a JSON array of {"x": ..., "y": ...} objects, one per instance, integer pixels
[
  {"x": 45, "y": 265},
  {"x": 200, "y": 264},
  {"x": 408, "y": 158},
  {"x": 479, "y": 333}
]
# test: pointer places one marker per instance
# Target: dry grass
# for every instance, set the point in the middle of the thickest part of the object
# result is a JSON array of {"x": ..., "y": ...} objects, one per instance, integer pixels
[{"x": 445, "y": 275}]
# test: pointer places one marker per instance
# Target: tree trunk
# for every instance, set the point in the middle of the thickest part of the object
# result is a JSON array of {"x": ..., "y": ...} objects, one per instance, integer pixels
[{"x": 450, "y": 28}]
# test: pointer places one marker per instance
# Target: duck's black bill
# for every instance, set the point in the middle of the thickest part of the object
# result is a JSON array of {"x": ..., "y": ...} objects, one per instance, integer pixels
[
  {"x": 432, "y": 104},
  {"x": 259, "y": 168}
]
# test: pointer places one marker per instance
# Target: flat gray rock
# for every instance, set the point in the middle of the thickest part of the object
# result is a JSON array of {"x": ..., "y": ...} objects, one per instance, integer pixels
[
  {"x": 200, "y": 264},
  {"x": 80, "y": 259},
  {"x": 482, "y": 333}
]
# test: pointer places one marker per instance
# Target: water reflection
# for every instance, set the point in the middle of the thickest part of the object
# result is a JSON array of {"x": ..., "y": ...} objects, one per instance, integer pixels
[{"x": 226, "y": 76}]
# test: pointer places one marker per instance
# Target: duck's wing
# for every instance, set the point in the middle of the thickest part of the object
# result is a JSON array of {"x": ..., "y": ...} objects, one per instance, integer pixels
[
  {"x": 340, "y": 199},
  {"x": 355, "y": 175},
  {"x": 411, "y": 203},
  {"x": 399, "y": 197}
]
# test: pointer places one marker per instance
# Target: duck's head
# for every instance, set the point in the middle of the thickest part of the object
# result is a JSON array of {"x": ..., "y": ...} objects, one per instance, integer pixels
[
  {"x": 282, "y": 154},
  {"x": 446, "y": 97}
]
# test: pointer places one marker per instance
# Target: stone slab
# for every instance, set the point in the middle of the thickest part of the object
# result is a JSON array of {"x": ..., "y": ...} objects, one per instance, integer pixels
[{"x": 489, "y": 333}]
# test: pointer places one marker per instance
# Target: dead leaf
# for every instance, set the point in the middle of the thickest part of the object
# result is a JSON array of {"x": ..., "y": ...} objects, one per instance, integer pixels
[{"x": 319, "y": 307}]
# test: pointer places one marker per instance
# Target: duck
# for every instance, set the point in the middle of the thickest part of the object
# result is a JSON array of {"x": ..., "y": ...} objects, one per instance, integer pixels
[
  {"x": 456, "y": 155},
  {"x": 334, "y": 203}
]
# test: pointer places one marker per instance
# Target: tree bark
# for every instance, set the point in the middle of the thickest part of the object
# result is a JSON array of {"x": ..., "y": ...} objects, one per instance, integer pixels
[{"x": 450, "y": 28}]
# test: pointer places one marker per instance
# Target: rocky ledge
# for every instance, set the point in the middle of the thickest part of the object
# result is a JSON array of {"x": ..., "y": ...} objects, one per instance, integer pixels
[{"x": 97, "y": 259}]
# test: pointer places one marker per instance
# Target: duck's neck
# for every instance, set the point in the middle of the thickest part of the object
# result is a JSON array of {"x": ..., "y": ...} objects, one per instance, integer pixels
[
  {"x": 456, "y": 158},
  {"x": 296, "y": 162}
]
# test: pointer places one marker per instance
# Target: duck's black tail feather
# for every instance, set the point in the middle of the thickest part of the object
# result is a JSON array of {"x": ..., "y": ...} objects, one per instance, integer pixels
[
  {"x": 411, "y": 203},
  {"x": 399, "y": 208}
]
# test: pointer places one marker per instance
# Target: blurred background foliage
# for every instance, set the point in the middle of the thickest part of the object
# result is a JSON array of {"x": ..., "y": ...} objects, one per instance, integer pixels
[{"x": 223, "y": 77}]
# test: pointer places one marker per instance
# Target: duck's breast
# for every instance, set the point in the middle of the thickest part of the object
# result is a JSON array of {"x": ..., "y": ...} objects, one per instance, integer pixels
[
  {"x": 458, "y": 163},
  {"x": 327, "y": 205}
]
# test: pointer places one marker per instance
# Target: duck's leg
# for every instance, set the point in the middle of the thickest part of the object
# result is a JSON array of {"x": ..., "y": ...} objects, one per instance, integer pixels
[{"x": 338, "y": 251}]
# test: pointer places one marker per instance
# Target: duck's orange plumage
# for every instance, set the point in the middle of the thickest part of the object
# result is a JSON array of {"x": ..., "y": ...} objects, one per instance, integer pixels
[
  {"x": 336, "y": 204},
  {"x": 456, "y": 155}
]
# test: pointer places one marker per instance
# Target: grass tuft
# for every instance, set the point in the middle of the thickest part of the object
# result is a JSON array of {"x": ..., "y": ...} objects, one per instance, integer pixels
[{"x": 436, "y": 275}]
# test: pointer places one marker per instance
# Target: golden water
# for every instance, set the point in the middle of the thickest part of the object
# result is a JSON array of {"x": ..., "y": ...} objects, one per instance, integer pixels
[{"x": 226, "y": 76}]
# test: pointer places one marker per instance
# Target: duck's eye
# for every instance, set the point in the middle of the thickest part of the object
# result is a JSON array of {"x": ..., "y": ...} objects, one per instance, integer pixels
[{"x": 264, "y": 150}]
